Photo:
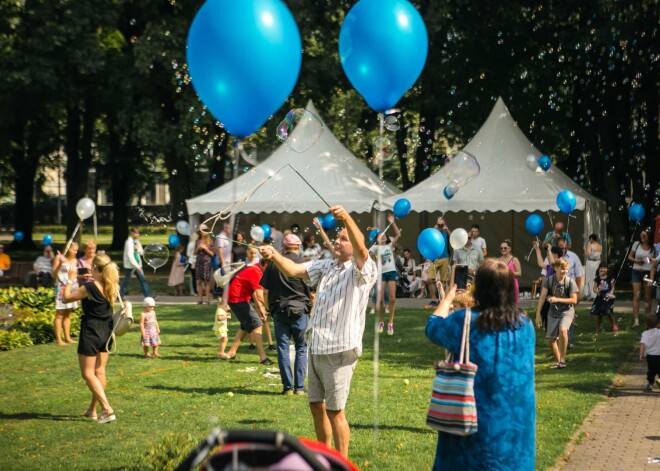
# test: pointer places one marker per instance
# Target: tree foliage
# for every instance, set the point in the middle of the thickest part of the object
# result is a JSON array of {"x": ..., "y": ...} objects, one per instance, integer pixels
[{"x": 107, "y": 81}]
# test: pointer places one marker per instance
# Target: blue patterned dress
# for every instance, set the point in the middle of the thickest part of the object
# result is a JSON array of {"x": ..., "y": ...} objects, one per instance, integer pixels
[{"x": 504, "y": 390}]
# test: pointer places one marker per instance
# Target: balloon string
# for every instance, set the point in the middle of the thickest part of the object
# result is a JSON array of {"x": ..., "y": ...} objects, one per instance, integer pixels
[
  {"x": 310, "y": 186},
  {"x": 625, "y": 257},
  {"x": 70, "y": 241},
  {"x": 530, "y": 252}
]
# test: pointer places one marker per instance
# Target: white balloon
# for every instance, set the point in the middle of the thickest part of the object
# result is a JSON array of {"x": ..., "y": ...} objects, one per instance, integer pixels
[
  {"x": 532, "y": 162},
  {"x": 85, "y": 208},
  {"x": 458, "y": 238},
  {"x": 183, "y": 228},
  {"x": 257, "y": 233}
]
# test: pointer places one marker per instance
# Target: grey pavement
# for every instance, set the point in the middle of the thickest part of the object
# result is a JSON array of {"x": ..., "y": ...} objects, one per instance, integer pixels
[{"x": 622, "y": 433}]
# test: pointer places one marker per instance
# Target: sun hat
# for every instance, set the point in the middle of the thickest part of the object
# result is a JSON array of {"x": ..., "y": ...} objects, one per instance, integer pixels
[
  {"x": 292, "y": 240},
  {"x": 149, "y": 301}
]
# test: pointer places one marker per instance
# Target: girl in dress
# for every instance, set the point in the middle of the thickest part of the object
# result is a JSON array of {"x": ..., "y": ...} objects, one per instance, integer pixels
[
  {"x": 592, "y": 251},
  {"x": 222, "y": 314},
  {"x": 204, "y": 250},
  {"x": 177, "y": 271},
  {"x": 603, "y": 305},
  {"x": 62, "y": 265},
  {"x": 149, "y": 328}
]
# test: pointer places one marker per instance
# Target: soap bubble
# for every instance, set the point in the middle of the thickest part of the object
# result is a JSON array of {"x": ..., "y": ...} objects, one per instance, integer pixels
[
  {"x": 156, "y": 255},
  {"x": 392, "y": 123},
  {"x": 300, "y": 129}
]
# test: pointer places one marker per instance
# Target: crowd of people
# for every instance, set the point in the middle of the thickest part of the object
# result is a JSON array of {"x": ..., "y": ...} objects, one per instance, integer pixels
[{"x": 317, "y": 296}]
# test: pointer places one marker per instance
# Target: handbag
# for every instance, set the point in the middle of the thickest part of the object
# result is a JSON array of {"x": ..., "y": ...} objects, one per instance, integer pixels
[
  {"x": 122, "y": 320},
  {"x": 453, "y": 407}
]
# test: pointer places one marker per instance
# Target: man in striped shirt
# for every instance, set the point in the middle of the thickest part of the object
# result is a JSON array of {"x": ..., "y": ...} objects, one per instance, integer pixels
[{"x": 336, "y": 325}]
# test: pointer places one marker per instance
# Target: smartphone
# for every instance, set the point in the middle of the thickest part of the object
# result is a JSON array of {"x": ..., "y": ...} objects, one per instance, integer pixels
[
  {"x": 83, "y": 271},
  {"x": 459, "y": 277}
]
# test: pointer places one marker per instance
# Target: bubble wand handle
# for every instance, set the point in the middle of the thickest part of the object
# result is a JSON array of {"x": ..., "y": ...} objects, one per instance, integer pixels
[
  {"x": 529, "y": 255},
  {"x": 70, "y": 241},
  {"x": 625, "y": 257},
  {"x": 309, "y": 185}
]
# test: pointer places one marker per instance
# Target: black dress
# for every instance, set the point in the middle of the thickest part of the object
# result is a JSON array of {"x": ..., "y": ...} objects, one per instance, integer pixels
[{"x": 96, "y": 322}]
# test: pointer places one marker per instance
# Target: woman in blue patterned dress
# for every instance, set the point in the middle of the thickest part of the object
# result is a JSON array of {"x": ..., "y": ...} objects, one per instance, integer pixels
[{"x": 502, "y": 344}]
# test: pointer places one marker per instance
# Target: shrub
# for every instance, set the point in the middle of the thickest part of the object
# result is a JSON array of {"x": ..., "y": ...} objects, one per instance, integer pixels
[
  {"x": 11, "y": 339},
  {"x": 169, "y": 451},
  {"x": 40, "y": 299}
]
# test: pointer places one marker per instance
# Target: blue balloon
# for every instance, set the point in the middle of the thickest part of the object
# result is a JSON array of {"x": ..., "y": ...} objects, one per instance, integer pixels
[
  {"x": 48, "y": 239},
  {"x": 449, "y": 191},
  {"x": 373, "y": 234},
  {"x": 173, "y": 240},
  {"x": 431, "y": 244},
  {"x": 183, "y": 259},
  {"x": 244, "y": 59},
  {"x": 534, "y": 224},
  {"x": 328, "y": 222},
  {"x": 636, "y": 212},
  {"x": 566, "y": 201},
  {"x": 382, "y": 47},
  {"x": 401, "y": 208},
  {"x": 267, "y": 230},
  {"x": 18, "y": 236},
  {"x": 545, "y": 162}
]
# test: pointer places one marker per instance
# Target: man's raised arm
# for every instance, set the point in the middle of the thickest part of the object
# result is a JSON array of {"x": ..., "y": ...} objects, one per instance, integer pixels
[
  {"x": 360, "y": 252},
  {"x": 283, "y": 264}
]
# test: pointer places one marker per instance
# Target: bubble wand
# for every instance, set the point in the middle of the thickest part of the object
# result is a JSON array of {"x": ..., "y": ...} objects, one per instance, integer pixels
[{"x": 625, "y": 257}]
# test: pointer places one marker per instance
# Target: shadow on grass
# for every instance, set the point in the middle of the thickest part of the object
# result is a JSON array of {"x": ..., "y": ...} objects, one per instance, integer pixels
[
  {"x": 41, "y": 416},
  {"x": 213, "y": 391},
  {"x": 255, "y": 422},
  {"x": 424, "y": 431},
  {"x": 207, "y": 358}
]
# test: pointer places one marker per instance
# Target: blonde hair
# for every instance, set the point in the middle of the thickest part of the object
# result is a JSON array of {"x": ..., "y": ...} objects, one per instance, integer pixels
[
  {"x": 560, "y": 262},
  {"x": 89, "y": 244},
  {"x": 463, "y": 300},
  {"x": 109, "y": 277}
]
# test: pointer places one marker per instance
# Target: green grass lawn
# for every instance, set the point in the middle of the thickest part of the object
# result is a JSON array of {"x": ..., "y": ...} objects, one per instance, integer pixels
[{"x": 185, "y": 393}]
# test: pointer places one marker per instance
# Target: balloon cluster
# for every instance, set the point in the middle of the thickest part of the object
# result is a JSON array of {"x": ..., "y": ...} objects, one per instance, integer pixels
[
  {"x": 544, "y": 162},
  {"x": 459, "y": 171}
]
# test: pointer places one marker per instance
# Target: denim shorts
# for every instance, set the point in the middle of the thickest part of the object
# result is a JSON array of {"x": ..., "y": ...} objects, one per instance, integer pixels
[
  {"x": 388, "y": 276},
  {"x": 637, "y": 276}
]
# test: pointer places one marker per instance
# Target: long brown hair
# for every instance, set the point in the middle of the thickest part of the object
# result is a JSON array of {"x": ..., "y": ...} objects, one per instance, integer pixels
[
  {"x": 109, "y": 276},
  {"x": 494, "y": 296}
]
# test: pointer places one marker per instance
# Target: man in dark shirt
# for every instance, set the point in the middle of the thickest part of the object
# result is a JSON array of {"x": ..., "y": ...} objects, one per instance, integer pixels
[{"x": 289, "y": 303}]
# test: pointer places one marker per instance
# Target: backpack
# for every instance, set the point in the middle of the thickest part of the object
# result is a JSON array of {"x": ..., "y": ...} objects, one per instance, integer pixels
[
  {"x": 223, "y": 279},
  {"x": 122, "y": 320}
]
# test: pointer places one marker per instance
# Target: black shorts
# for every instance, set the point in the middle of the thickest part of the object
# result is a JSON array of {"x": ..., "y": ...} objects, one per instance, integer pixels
[
  {"x": 246, "y": 315},
  {"x": 94, "y": 335}
]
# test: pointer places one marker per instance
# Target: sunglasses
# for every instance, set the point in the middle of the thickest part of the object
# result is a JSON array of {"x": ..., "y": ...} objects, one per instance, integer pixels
[{"x": 504, "y": 248}]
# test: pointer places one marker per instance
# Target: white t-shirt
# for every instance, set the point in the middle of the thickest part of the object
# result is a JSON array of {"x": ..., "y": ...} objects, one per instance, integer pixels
[
  {"x": 479, "y": 243},
  {"x": 224, "y": 243},
  {"x": 386, "y": 257},
  {"x": 651, "y": 341}
]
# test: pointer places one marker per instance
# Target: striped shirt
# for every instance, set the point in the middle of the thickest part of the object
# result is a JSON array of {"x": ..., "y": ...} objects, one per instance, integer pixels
[{"x": 338, "y": 317}]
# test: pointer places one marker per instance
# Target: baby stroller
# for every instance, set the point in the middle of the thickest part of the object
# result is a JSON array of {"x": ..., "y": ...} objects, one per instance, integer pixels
[
  {"x": 403, "y": 287},
  {"x": 264, "y": 450}
]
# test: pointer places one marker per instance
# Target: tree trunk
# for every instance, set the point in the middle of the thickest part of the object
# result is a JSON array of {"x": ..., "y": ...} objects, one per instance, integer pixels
[
  {"x": 118, "y": 161},
  {"x": 25, "y": 165},
  {"x": 402, "y": 153}
]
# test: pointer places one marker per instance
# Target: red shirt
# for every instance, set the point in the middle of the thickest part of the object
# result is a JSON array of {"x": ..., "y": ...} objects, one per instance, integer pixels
[{"x": 244, "y": 285}]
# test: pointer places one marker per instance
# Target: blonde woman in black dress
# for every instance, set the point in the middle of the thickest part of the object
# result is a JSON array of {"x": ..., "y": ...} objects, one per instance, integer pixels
[{"x": 97, "y": 298}]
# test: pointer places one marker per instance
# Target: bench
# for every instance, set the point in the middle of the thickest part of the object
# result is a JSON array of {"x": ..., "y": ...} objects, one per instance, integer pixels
[{"x": 16, "y": 273}]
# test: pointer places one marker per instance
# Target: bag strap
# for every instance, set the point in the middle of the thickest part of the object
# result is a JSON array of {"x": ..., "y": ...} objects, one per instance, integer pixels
[
  {"x": 464, "y": 354},
  {"x": 114, "y": 327}
]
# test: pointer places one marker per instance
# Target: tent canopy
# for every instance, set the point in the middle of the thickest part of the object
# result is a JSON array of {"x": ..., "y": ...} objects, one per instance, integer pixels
[
  {"x": 505, "y": 183},
  {"x": 273, "y": 186}
]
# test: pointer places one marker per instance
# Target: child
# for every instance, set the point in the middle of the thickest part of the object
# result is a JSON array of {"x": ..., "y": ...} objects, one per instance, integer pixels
[
  {"x": 149, "y": 328},
  {"x": 222, "y": 314},
  {"x": 604, "y": 302},
  {"x": 177, "y": 271},
  {"x": 650, "y": 347}
]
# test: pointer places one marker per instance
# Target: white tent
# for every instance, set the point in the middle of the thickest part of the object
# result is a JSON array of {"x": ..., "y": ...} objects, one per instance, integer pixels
[
  {"x": 507, "y": 187},
  {"x": 334, "y": 172}
]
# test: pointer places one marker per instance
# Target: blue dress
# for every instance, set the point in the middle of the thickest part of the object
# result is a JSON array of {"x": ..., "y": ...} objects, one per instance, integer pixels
[{"x": 504, "y": 390}]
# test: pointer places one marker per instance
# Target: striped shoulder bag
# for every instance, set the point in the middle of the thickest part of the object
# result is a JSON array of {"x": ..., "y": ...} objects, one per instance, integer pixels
[{"x": 453, "y": 408}]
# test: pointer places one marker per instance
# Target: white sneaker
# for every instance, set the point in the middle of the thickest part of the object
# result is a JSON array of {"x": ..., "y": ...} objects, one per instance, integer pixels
[{"x": 373, "y": 311}]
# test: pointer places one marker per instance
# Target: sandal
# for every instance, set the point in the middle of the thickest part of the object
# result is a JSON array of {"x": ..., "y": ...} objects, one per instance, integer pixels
[
  {"x": 225, "y": 356},
  {"x": 106, "y": 417},
  {"x": 559, "y": 366},
  {"x": 88, "y": 414},
  {"x": 147, "y": 355}
]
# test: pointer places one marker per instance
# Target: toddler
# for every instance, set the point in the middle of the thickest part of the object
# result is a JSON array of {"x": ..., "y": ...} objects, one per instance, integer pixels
[
  {"x": 650, "y": 347},
  {"x": 603, "y": 305},
  {"x": 177, "y": 272},
  {"x": 149, "y": 328},
  {"x": 222, "y": 314}
]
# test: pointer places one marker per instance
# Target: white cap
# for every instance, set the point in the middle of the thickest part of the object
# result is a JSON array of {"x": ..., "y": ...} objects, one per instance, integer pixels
[{"x": 149, "y": 301}]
